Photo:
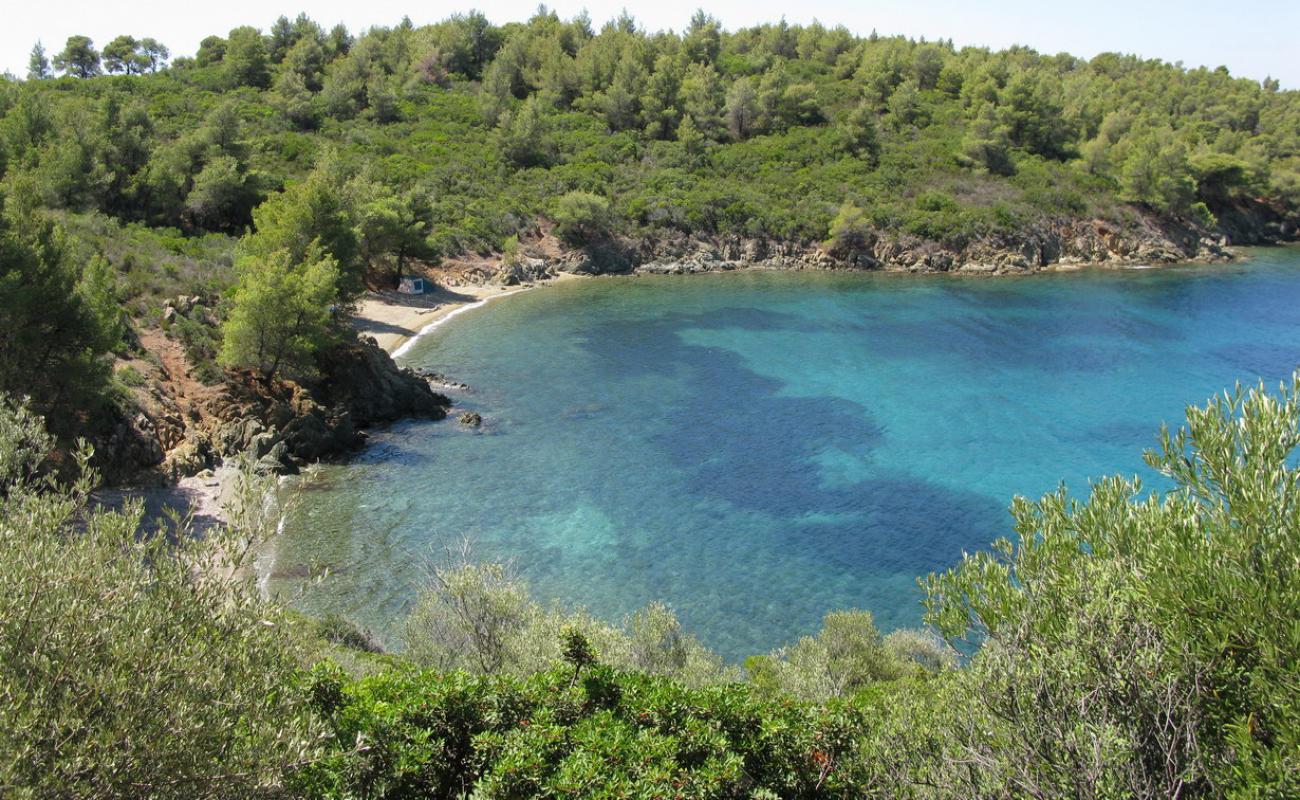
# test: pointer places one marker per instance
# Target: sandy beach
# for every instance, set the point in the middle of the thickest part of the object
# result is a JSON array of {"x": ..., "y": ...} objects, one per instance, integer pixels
[{"x": 393, "y": 319}]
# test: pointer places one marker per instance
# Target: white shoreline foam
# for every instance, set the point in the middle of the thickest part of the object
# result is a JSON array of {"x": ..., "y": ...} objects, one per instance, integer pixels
[{"x": 427, "y": 329}]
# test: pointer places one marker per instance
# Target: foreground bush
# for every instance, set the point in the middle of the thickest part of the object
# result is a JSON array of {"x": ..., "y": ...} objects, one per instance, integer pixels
[
  {"x": 131, "y": 665},
  {"x": 481, "y": 618},
  {"x": 1144, "y": 646},
  {"x": 598, "y": 733}
]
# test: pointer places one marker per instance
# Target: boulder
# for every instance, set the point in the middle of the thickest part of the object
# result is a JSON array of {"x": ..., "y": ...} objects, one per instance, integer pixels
[
  {"x": 362, "y": 380},
  {"x": 276, "y": 462}
]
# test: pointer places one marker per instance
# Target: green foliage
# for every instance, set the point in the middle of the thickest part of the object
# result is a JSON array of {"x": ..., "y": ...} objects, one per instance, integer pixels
[
  {"x": 317, "y": 213},
  {"x": 123, "y": 55},
  {"x": 281, "y": 312},
  {"x": 862, "y": 134},
  {"x": 608, "y": 734},
  {"x": 1173, "y": 616},
  {"x": 56, "y": 321},
  {"x": 151, "y": 54},
  {"x": 1032, "y": 110},
  {"x": 582, "y": 218},
  {"x": 577, "y": 651},
  {"x": 390, "y": 229},
  {"x": 211, "y": 51},
  {"x": 742, "y": 109},
  {"x": 480, "y": 618},
  {"x": 130, "y": 665},
  {"x": 345, "y": 633},
  {"x": 1155, "y": 171},
  {"x": 851, "y": 234},
  {"x": 78, "y": 58},
  {"x": 988, "y": 144},
  {"x": 525, "y": 141},
  {"x": 220, "y": 196},
  {"x": 130, "y": 377},
  {"x": 846, "y": 656},
  {"x": 24, "y": 445},
  {"x": 757, "y": 132},
  {"x": 38, "y": 65},
  {"x": 510, "y": 252},
  {"x": 1220, "y": 176},
  {"x": 244, "y": 59}
]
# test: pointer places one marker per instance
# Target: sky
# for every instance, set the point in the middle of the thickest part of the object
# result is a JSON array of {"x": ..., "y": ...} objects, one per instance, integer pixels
[{"x": 1253, "y": 38}]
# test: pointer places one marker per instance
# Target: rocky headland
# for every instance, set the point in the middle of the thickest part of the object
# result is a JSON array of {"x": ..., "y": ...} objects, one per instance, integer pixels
[{"x": 183, "y": 427}]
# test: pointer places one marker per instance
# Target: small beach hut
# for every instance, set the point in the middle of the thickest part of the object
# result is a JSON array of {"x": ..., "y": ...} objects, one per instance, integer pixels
[{"x": 410, "y": 285}]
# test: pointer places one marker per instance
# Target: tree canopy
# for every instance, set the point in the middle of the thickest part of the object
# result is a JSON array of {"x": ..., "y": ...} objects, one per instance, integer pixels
[{"x": 762, "y": 131}]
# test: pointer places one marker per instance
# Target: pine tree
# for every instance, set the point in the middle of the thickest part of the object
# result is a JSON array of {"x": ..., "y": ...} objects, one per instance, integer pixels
[
  {"x": 742, "y": 109},
  {"x": 79, "y": 58},
  {"x": 38, "y": 66},
  {"x": 121, "y": 54},
  {"x": 280, "y": 312}
]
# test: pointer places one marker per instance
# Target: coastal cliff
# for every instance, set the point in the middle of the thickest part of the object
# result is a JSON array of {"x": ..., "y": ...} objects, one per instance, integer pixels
[{"x": 1058, "y": 243}]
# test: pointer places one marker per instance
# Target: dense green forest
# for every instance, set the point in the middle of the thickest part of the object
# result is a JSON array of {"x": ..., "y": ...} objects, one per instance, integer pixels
[
  {"x": 342, "y": 160},
  {"x": 475, "y": 130}
]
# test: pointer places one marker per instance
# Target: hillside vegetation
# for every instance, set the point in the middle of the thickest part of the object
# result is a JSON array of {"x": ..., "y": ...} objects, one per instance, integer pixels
[
  {"x": 236, "y": 201},
  {"x": 472, "y": 131}
]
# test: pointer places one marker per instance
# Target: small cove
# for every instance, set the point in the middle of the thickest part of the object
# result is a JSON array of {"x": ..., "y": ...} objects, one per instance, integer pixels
[{"x": 759, "y": 448}]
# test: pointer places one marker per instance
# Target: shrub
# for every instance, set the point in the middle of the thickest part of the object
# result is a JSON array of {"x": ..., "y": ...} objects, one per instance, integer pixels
[
  {"x": 847, "y": 655},
  {"x": 851, "y": 234},
  {"x": 607, "y": 734},
  {"x": 510, "y": 253},
  {"x": 1145, "y": 645},
  {"x": 340, "y": 630},
  {"x": 131, "y": 664},
  {"x": 479, "y": 617},
  {"x": 24, "y": 444},
  {"x": 935, "y": 201},
  {"x": 130, "y": 376},
  {"x": 582, "y": 218}
]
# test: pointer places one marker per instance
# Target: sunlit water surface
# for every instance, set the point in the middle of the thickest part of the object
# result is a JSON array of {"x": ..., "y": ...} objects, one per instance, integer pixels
[{"x": 760, "y": 448}]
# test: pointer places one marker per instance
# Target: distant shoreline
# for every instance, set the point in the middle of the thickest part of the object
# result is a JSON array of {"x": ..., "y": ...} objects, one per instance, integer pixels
[{"x": 397, "y": 321}]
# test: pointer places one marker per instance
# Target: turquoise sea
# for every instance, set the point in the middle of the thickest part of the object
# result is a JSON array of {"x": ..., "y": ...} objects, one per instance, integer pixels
[{"x": 759, "y": 448}]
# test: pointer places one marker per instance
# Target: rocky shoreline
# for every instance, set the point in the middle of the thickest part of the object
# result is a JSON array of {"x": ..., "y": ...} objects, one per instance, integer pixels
[
  {"x": 282, "y": 425},
  {"x": 1052, "y": 244}
]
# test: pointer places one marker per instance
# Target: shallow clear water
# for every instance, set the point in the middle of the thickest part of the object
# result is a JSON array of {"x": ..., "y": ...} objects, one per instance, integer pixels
[{"x": 760, "y": 448}]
